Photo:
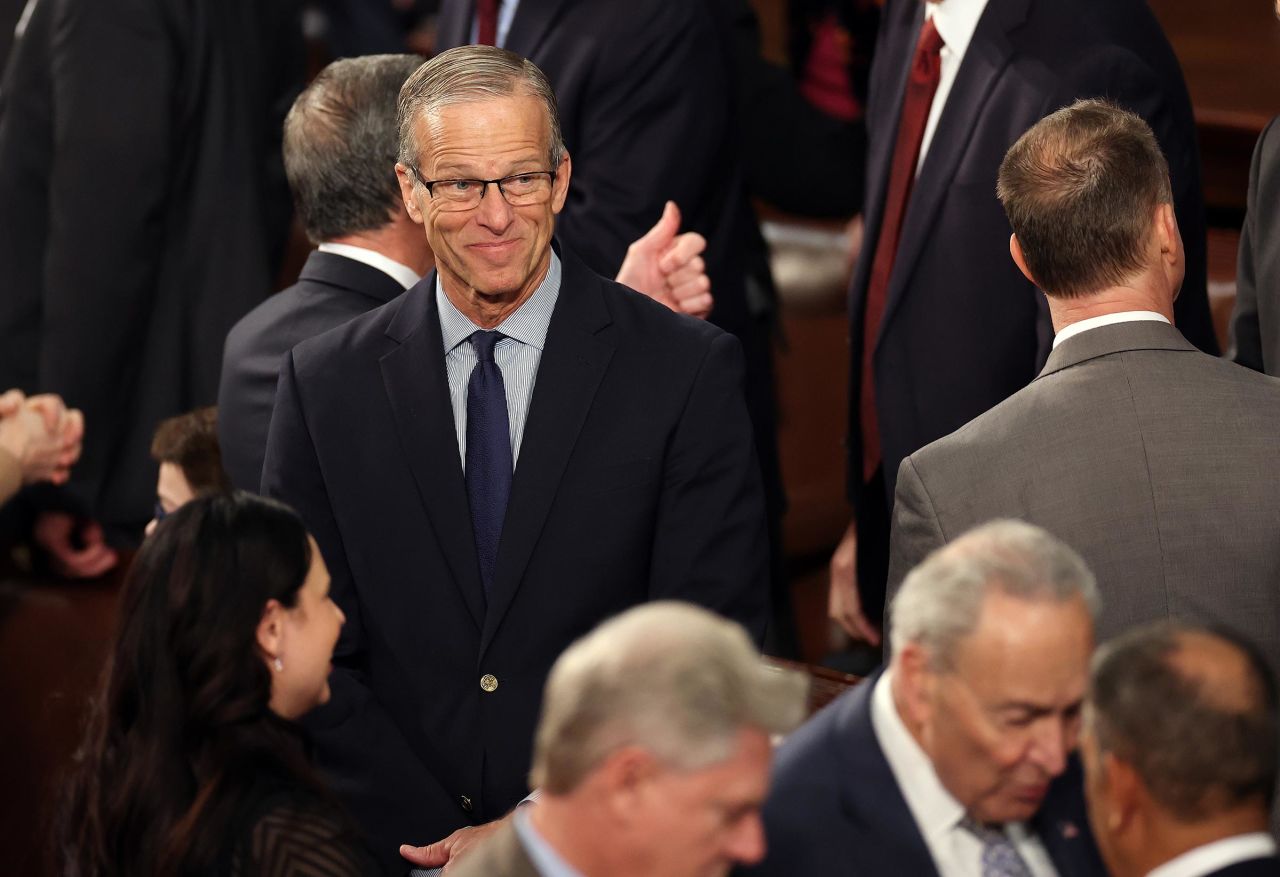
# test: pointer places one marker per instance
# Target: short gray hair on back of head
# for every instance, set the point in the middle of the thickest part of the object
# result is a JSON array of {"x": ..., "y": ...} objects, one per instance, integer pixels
[
  {"x": 941, "y": 599},
  {"x": 668, "y": 677},
  {"x": 340, "y": 146},
  {"x": 473, "y": 73}
]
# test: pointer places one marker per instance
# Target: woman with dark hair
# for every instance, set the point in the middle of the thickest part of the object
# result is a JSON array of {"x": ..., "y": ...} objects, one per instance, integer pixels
[{"x": 192, "y": 762}]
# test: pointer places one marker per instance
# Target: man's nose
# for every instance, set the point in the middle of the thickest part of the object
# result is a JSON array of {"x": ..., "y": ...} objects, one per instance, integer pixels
[
  {"x": 1050, "y": 747},
  {"x": 747, "y": 844},
  {"x": 494, "y": 213}
]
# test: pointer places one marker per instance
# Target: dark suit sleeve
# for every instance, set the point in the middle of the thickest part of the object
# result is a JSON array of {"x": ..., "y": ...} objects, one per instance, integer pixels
[
  {"x": 364, "y": 753},
  {"x": 916, "y": 530},
  {"x": 710, "y": 542},
  {"x": 112, "y": 70},
  {"x": 1246, "y": 335},
  {"x": 653, "y": 123}
]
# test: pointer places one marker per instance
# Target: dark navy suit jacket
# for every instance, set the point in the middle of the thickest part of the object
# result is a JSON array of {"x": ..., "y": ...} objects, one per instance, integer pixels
[
  {"x": 331, "y": 290},
  {"x": 636, "y": 480},
  {"x": 835, "y": 808}
]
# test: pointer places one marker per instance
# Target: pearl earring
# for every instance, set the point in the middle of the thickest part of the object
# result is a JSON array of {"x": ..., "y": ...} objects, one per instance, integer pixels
[{"x": 278, "y": 664}]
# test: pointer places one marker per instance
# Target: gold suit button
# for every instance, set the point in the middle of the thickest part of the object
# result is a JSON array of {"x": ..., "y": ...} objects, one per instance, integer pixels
[{"x": 489, "y": 682}]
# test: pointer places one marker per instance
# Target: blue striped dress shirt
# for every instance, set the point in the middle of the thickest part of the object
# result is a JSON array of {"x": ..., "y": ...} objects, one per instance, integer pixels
[{"x": 517, "y": 355}]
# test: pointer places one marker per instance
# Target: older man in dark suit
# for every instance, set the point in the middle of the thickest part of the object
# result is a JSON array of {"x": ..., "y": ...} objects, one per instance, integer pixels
[
  {"x": 956, "y": 760},
  {"x": 1156, "y": 461},
  {"x": 339, "y": 155},
  {"x": 943, "y": 325},
  {"x": 497, "y": 460}
]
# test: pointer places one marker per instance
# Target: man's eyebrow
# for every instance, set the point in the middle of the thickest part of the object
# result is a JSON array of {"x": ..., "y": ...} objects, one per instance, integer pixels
[{"x": 1036, "y": 708}]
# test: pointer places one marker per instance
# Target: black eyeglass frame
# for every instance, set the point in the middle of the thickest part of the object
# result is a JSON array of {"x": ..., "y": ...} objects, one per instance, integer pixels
[{"x": 485, "y": 184}]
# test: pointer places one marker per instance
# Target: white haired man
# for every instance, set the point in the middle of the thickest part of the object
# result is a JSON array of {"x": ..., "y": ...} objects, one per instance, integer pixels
[
  {"x": 652, "y": 753},
  {"x": 956, "y": 761}
]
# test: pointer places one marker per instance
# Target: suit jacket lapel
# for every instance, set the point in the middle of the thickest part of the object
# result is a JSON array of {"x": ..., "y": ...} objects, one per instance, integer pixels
[
  {"x": 533, "y": 19},
  {"x": 418, "y": 390},
  {"x": 573, "y": 363},
  {"x": 882, "y": 814},
  {"x": 986, "y": 57},
  {"x": 1106, "y": 340}
]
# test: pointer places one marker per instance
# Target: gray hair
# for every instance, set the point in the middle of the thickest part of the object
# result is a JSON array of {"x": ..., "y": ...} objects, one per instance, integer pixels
[
  {"x": 473, "y": 73},
  {"x": 340, "y": 144},
  {"x": 671, "y": 678},
  {"x": 941, "y": 599},
  {"x": 1200, "y": 746}
]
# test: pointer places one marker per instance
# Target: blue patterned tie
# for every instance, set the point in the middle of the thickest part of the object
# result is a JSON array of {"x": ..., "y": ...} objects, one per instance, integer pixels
[
  {"x": 488, "y": 453},
  {"x": 999, "y": 856}
]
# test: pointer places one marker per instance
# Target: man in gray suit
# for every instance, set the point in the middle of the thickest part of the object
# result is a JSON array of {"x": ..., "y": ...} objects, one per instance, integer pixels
[
  {"x": 652, "y": 752},
  {"x": 1160, "y": 464}
]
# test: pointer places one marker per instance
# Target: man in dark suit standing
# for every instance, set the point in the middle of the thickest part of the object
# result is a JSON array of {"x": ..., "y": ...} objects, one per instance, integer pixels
[
  {"x": 1156, "y": 461},
  {"x": 943, "y": 326},
  {"x": 957, "y": 759},
  {"x": 142, "y": 212},
  {"x": 646, "y": 94},
  {"x": 339, "y": 156},
  {"x": 495, "y": 461},
  {"x": 1180, "y": 754}
]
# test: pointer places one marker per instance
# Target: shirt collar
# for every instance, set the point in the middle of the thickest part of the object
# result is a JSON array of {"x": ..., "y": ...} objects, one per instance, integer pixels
[
  {"x": 956, "y": 20},
  {"x": 527, "y": 324},
  {"x": 402, "y": 274},
  {"x": 546, "y": 860},
  {"x": 1214, "y": 857},
  {"x": 1107, "y": 320},
  {"x": 934, "y": 809}
]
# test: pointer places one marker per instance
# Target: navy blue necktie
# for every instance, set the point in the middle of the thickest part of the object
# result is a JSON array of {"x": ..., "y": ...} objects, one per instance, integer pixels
[{"x": 489, "y": 463}]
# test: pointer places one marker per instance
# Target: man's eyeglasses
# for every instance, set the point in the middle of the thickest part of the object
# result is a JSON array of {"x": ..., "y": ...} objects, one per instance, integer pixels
[{"x": 520, "y": 190}]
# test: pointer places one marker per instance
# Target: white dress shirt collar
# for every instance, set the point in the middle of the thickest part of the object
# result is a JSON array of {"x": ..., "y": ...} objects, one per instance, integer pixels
[
  {"x": 546, "y": 861},
  {"x": 956, "y": 21},
  {"x": 935, "y": 810},
  {"x": 1107, "y": 320},
  {"x": 527, "y": 324},
  {"x": 402, "y": 274},
  {"x": 1218, "y": 855}
]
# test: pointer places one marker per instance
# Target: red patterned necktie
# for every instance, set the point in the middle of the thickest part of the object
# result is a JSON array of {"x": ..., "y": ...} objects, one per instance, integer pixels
[
  {"x": 926, "y": 69},
  {"x": 487, "y": 19}
]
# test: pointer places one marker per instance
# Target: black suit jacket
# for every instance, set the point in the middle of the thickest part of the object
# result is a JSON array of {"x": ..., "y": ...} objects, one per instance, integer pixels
[
  {"x": 636, "y": 480},
  {"x": 142, "y": 201},
  {"x": 1268, "y": 866},
  {"x": 835, "y": 808},
  {"x": 1255, "y": 325},
  {"x": 962, "y": 328},
  {"x": 331, "y": 289}
]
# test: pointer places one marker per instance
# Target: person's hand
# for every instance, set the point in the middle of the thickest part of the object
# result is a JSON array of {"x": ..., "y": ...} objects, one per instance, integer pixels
[
  {"x": 844, "y": 606},
  {"x": 447, "y": 852},
  {"x": 41, "y": 434},
  {"x": 58, "y": 533},
  {"x": 668, "y": 266}
]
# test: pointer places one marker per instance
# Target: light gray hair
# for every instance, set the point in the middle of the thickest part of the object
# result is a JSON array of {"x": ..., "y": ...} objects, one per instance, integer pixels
[
  {"x": 473, "y": 73},
  {"x": 941, "y": 599},
  {"x": 340, "y": 146},
  {"x": 669, "y": 677}
]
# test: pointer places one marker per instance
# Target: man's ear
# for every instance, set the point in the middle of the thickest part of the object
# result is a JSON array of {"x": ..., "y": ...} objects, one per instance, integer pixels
[
  {"x": 625, "y": 779},
  {"x": 1015, "y": 250},
  {"x": 560, "y": 191},
  {"x": 271, "y": 629},
  {"x": 405, "y": 177},
  {"x": 914, "y": 685},
  {"x": 1166, "y": 221},
  {"x": 1125, "y": 791}
]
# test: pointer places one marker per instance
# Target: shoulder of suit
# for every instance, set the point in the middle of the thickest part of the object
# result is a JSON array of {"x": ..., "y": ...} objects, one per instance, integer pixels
[{"x": 635, "y": 312}]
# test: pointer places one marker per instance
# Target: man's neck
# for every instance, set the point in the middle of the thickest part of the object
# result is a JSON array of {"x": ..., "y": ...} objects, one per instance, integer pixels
[
  {"x": 486, "y": 310},
  {"x": 1113, "y": 300}
]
